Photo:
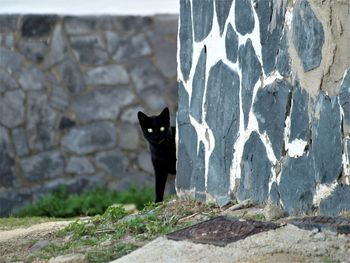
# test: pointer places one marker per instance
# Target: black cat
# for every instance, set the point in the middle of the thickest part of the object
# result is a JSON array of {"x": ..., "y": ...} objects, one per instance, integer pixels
[{"x": 161, "y": 139}]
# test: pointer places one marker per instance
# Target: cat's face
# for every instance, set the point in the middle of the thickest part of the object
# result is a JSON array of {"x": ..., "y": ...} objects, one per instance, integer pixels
[{"x": 155, "y": 128}]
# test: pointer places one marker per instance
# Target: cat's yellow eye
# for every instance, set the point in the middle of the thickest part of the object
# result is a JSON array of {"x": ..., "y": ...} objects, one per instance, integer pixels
[
  {"x": 150, "y": 130},
  {"x": 162, "y": 129}
]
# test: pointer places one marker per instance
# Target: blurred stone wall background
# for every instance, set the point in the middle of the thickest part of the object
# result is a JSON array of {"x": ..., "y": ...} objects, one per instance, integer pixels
[{"x": 70, "y": 89}]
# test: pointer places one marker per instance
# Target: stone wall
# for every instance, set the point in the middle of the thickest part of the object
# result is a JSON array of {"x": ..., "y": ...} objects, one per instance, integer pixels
[
  {"x": 264, "y": 103},
  {"x": 70, "y": 89}
]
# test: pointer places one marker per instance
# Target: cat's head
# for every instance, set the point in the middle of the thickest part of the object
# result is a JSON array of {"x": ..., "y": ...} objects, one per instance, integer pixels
[{"x": 155, "y": 128}]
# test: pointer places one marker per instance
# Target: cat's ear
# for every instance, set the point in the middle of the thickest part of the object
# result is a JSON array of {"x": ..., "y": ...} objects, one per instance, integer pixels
[
  {"x": 165, "y": 113},
  {"x": 142, "y": 117}
]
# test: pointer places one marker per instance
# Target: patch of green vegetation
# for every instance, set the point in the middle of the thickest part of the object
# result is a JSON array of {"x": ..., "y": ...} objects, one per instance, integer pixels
[
  {"x": 330, "y": 259},
  {"x": 9, "y": 223},
  {"x": 60, "y": 203},
  {"x": 110, "y": 253}
]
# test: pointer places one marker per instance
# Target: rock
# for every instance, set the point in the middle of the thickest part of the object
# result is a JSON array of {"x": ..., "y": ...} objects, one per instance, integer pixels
[
  {"x": 11, "y": 200},
  {"x": 222, "y": 9},
  {"x": 153, "y": 99},
  {"x": 90, "y": 138},
  {"x": 34, "y": 50},
  {"x": 274, "y": 195},
  {"x": 10, "y": 60},
  {"x": 130, "y": 115},
  {"x": 202, "y": 18},
  {"x": 70, "y": 258},
  {"x": 308, "y": 35},
  {"x": 244, "y": 17},
  {"x": 70, "y": 74},
  {"x": 283, "y": 62},
  {"x": 145, "y": 75},
  {"x": 255, "y": 171},
  {"x": 66, "y": 123},
  {"x": 198, "y": 178},
  {"x": 79, "y": 25},
  {"x": 107, "y": 75},
  {"x": 79, "y": 165},
  {"x": 8, "y": 23},
  {"x": 37, "y": 25},
  {"x": 39, "y": 245},
  {"x": 20, "y": 141},
  {"x": 344, "y": 99},
  {"x": 58, "y": 48},
  {"x": 199, "y": 86},
  {"x": 42, "y": 122},
  {"x": 224, "y": 85},
  {"x": 270, "y": 109},
  {"x": 127, "y": 47},
  {"x": 89, "y": 49},
  {"x": 231, "y": 42},
  {"x": 251, "y": 70},
  {"x": 132, "y": 178},
  {"x": 128, "y": 25},
  {"x": 59, "y": 98},
  {"x": 144, "y": 161},
  {"x": 185, "y": 39},
  {"x": 326, "y": 149},
  {"x": 7, "y": 162},
  {"x": 9, "y": 41},
  {"x": 129, "y": 138},
  {"x": 273, "y": 211},
  {"x": 102, "y": 103},
  {"x": 7, "y": 81},
  {"x": 12, "y": 108},
  {"x": 45, "y": 165},
  {"x": 337, "y": 202},
  {"x": 297, "y": 185},
  {"x": 113, "y": 162},
  {"x": 32, "y": 78}
]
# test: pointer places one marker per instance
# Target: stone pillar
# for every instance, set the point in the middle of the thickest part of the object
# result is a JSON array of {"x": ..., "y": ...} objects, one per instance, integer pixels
[{"x": 264, "y": 103}]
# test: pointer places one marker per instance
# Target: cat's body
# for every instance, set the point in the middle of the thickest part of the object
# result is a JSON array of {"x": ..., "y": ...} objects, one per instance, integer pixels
[{"x": 161, "y": 139}]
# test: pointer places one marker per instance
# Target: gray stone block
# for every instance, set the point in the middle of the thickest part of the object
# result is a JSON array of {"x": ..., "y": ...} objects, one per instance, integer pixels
[
  {"x": 130, "y": 115},
  {"x": 222, "y": 9},
  {"x": 185, "y": 35},
  {"x": 344, "y": 97},
  {"x": 244, "y": 17},
  {"x": 198, "y": 87},
  {"x": 251, "y": 70},
  {"x": 308, "y": 35},
  {"x": 34, "y": 50},
  {"x": 8, "y": 23},
  {"x": 153, "y": 99},
  {"x": 7, "y": 81},
  {"x": 10, "y": 201},
  {"x": 19, "y": 140},
  {"x": 270, "y": 107},
  {"x": 9, "y": 41},
  {"x": 145, "y": 162},
  {"x": 231, "y": 42},
  {"x": 255, "y": 171},
  {"x": 70, "y": 74},
  {"x": 7, "y": 161},
  {"x": 32, "y": 78},
  {"x": 202, "y": 18},
  {"x": 37, "y": 25},
  {"x": 224, "y": 86},
  {"x": 102, "y": 103},
  {"x": 297, "y": 185},
  {"x": 58, "y": 48},
  {"x": 12, "y": 108},
  {"x": 79, "y": 165},
  {"x": 133, "y": 178},
  {"x": 337, "y": 202},
  {"x": 198, "y": 178},
  {"x": 284, "y": 63},
  {"x": 107, "y": 75},
  {"x": 90, "y": 138},
  {"x": 326, "y": 148},
  {"x": 45, "y": 165},
  {"x": 79, "y": 25},
  {"x": 113, "y": 162},
  {"x": 10, "y": 60},
  {"x": 42, "y": 122},
  {"x": 132, "y": 24},
  {"x": 129, "y": 138},
  {"x": 274, "y": 195},
  {"x": 89, "y": 49},
  {"x": 59, "y": 98}
]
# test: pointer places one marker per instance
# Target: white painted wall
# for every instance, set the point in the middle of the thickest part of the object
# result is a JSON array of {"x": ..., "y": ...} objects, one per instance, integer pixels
[{"x": 90, "y": 7}]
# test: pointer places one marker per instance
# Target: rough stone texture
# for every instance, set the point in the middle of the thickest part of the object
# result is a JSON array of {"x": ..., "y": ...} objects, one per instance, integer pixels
[
  {"x": 112, "y": 162},
  {"x": 79, "y": 165},
  {"x": 185, "y": 35},
  {"x": 222, "y": 9},
  {"x": 107, "y": 75},
  {"x": 79, "y": 25},
  {"x": 8, "y": 23},
  {"x": 59, "y": 98},
  {"x": 308, "y": 35},
  {"x": 102, "y": 103},
  {"x": 7, "y": 162},
  {"x": 10, "y": 60},
  {"x": 58, "y": 47},
  {"x": 297, "y": 185},
  {"x": 202, "y": 18},
  {"x": 231, "y": 42},
  {"x": 326, "y": 139},
  {"x": 20, "y": 141},
  {"x": 244, "y": 17},
  {"x": 42, "y": 122},
  {"x": 198, "y": 180},
  {"x": 251, "y": 70},
  {"x": 270, "y": 107},
  {"x": 198, "y": 81},
  {"x": 144, "y": 161},
  {"x": 37, "y": 25},
  {"x": 43, "y": 166},
  {"x": 337, "y": 202},
  {"x": 7, "y": 82},
  {"x": 283, "y": 62},
  {"x": 130, "y": 137},
  {"x": 344, "y": 99},
  {"x": 256, "y": 171},
  {"x": 90, "y": 138},
  {"x": 71, "y": 76},
  {"x": 274, "y": 195},
  {"x": 223, "y": 86},
  {"x": 32, "y": 78},
  {"x": 12, "y": 108},
  {"x": 34, "y": 50}
]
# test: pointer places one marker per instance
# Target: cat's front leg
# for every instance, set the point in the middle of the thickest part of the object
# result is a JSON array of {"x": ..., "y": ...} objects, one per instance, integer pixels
[{"x": 161, "y": 177}]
